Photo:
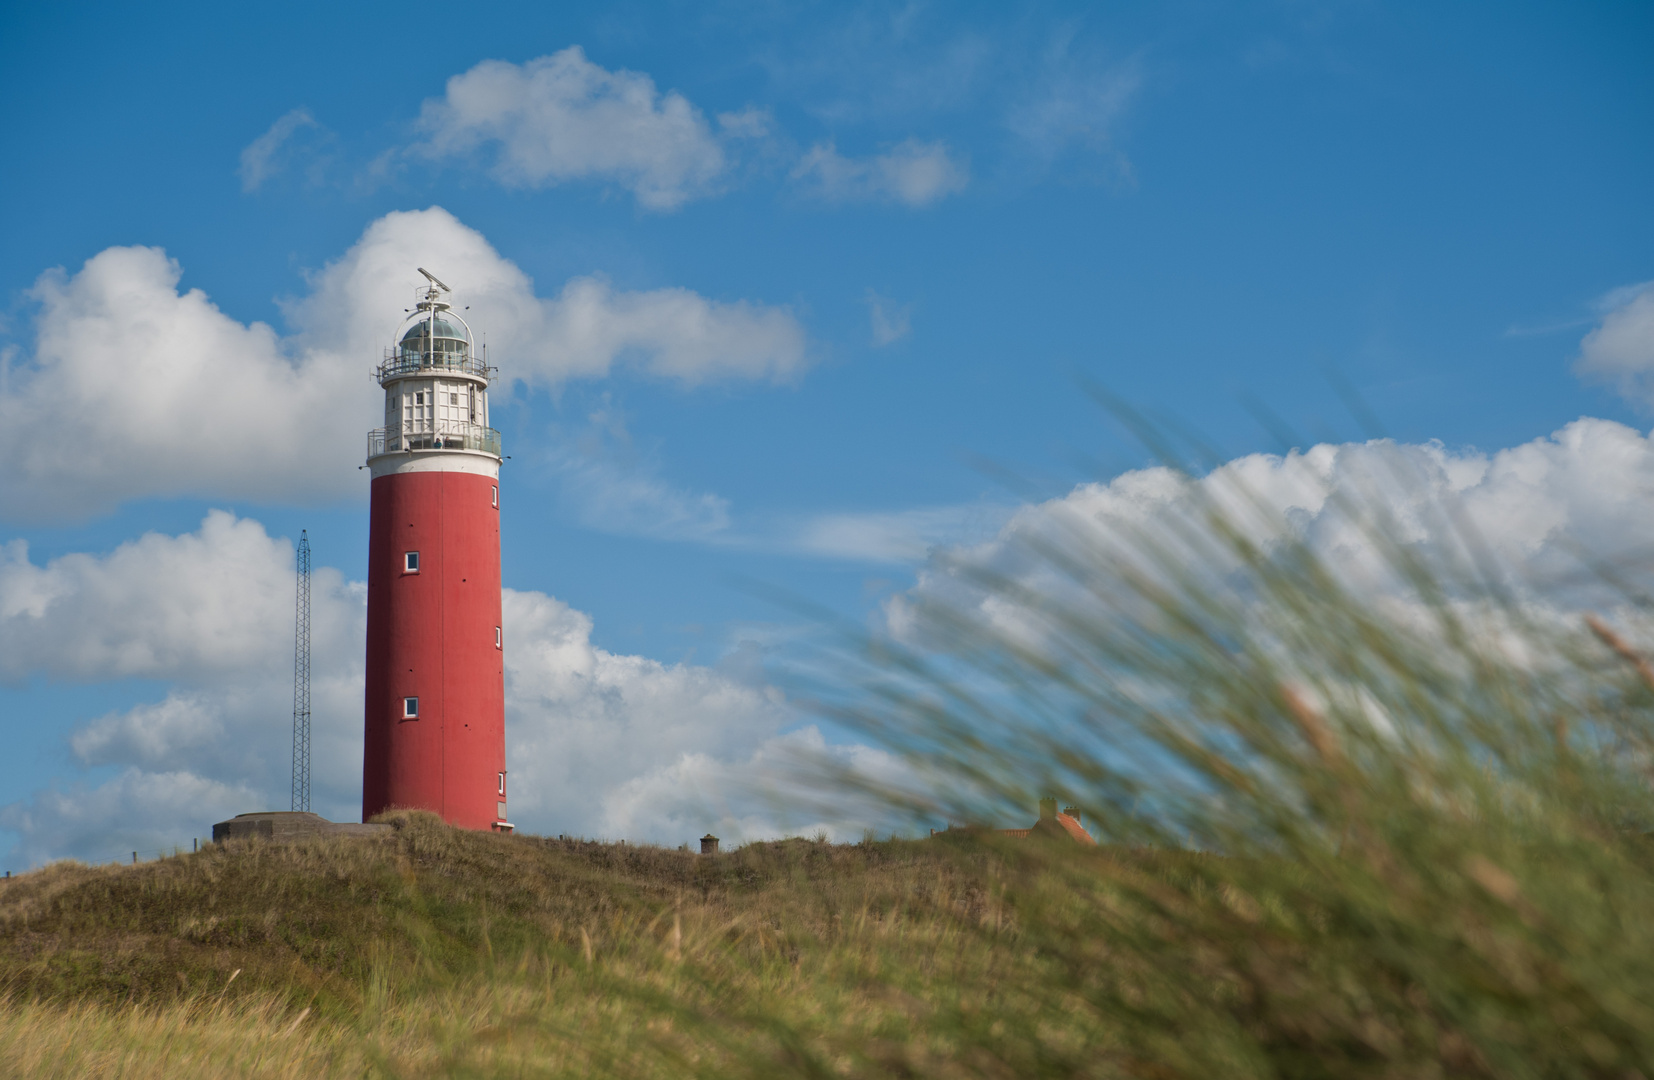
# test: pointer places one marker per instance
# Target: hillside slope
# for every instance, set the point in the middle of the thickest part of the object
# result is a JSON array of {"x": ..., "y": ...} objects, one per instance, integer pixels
[{"x": 431, "y": 948}]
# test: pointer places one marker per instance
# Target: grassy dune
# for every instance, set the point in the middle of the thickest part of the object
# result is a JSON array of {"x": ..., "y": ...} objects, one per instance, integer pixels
[{"x": 432, "y": 951}]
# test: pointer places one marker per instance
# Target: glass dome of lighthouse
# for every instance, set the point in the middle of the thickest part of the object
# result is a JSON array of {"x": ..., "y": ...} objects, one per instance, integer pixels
[{"x": 436, "y": 337}]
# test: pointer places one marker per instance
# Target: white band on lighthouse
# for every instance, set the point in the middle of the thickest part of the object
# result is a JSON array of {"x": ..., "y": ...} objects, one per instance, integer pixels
[{"x": 450, "y": 461}]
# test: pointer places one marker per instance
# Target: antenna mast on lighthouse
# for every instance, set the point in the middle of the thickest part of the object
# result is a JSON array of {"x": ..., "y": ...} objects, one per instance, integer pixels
[{"x": 301, "y": 680}]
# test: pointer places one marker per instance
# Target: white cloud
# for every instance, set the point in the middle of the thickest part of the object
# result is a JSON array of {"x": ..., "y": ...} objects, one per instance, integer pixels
[
  {"x": 1539, "y": 509},
  {"x": 147, "y": 812},
  {"x": 583, "y": 332},
  {"x": 208, "y": 614},
  {"x": 270, "y": 153},
  {"x": 755, "y": 798},
  {"x": 674, "y": 332},
  {"x": 891, "y": 322},
  {"x": 1621, "y": 348},
  {"x": 199, "y": 606},
  {"x": 561, "y": 117},
  {"x": 584, "y": 721},
  {"x": 135, "y": 389},
  {"x": 913, "y": 173}
]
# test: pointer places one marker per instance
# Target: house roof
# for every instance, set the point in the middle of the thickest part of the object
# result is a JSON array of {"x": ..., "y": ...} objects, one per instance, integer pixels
[
  {"x": 1074, "y": 829},
  {"x": 1066, "y": 825}
]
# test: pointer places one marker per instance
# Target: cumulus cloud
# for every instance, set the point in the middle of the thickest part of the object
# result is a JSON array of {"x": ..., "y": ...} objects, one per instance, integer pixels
[
  {"x": 583, "y": 332},
  {"x": 274, "y": 151},
  {"x": 209, "y": 615},
  {"x": 561, "y": 117},
  {"x": 598, "y": 743},
  {"x": 136, "y": 389},
  {"x": 1621, "y": 347},
  {"x": 913, "y": 173},
  {"x": 584, "y": 723},
  {"x": 146, "y": 812},
  {"x": 1542, "y": 510},
  {"x": 756, "y": 798},
  {"x": 197, "y": 606}
]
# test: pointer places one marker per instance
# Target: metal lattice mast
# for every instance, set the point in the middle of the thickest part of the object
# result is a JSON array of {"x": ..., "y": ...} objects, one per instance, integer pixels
[{"x": 301, "y": 680}]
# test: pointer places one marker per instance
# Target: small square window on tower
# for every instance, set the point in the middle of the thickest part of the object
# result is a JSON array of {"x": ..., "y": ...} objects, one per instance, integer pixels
[
  {"x": 502, "y": 785},
  {"x": 496, "y": 498},
  {"x": 498, "y": 639},
  {"x": 410, "y": 562},
  {"x": 410, "y": 708}
]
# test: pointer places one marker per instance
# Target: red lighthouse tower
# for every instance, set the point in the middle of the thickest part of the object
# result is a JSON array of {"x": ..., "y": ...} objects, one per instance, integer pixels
[{"x": 435, "y": 700}]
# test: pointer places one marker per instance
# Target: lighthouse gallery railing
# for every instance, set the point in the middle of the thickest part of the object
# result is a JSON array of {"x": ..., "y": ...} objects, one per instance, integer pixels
[
  {"x": 441, "y": 435},
  {"x": 399, "y": 362}
]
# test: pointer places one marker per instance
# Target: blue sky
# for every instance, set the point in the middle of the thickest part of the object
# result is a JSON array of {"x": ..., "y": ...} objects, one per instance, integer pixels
[{"x": 839, "y": 257}]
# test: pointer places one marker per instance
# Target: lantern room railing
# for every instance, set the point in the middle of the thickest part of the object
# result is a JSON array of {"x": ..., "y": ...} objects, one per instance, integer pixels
[
  {"x": 438, "y": 435},
  {"x": 400, "y": 362}
]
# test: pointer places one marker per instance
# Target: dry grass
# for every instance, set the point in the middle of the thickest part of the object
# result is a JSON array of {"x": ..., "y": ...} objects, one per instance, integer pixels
[{"x": 433, "y": 951}]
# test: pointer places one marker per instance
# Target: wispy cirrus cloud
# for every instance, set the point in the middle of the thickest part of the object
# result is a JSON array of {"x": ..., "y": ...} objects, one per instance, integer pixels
[
  {"x": 898, "y": 537},
  {"x": 1073, "y": 103},
  {"x": 913, "y": 173},
  {"x": 280, "y": 147},
  {"x": 891, "y": 322},
  {"x": 607, "y": 484}
]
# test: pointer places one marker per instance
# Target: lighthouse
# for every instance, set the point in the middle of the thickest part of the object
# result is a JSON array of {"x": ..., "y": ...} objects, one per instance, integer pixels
[{"x": 434, "y": 707}]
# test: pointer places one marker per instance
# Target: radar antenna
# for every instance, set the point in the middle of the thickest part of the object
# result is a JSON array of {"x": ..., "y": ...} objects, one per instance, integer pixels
[{"x": 433, "y": 279}]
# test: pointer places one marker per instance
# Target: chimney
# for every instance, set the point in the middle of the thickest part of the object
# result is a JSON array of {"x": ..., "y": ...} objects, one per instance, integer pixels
[
  {"x": 1047, "y": 809},
  {"x": 709, "y": 844},
  {"x": 1073, "y": 812}
]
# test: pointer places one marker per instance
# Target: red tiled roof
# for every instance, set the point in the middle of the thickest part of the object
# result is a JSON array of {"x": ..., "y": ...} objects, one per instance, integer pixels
[
  {"x": 1074, "y": 829},
  {"x": 1061, "y": 825}
]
